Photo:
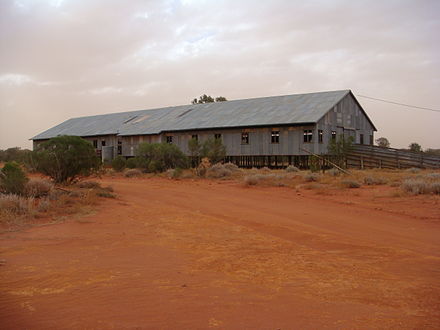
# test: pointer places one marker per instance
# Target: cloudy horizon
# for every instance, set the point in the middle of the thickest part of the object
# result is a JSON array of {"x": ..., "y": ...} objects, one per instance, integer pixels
[{"x": 63, "y": 58}]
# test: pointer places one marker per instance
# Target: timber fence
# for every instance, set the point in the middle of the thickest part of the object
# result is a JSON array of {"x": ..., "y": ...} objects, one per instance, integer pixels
[{"x": 367, "y": 156}]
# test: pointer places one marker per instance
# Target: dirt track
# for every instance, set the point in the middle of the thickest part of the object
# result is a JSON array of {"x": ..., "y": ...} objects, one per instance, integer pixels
[{"x": 201, "y": 254}]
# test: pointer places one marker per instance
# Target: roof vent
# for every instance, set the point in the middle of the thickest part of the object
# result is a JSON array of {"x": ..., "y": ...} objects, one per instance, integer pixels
[{"x": 184, "y": 113}]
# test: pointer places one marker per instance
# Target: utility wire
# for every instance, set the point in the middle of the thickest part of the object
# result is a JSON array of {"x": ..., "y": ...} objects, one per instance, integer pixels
[{"x": 397, "y": 103}]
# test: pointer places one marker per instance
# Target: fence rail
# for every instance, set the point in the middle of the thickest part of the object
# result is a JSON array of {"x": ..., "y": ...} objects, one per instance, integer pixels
[{"x": 367, "y": 156}]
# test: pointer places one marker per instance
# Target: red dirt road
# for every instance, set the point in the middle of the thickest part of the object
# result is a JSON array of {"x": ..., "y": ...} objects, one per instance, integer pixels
[{"x": 203, "y": 254}]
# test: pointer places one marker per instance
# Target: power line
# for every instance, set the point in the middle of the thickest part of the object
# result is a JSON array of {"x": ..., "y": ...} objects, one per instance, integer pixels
[{"x": 397, "y": 103}]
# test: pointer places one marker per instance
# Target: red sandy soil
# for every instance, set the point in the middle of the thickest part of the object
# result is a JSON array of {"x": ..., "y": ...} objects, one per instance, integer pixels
[{"x": 185, "y": 254}]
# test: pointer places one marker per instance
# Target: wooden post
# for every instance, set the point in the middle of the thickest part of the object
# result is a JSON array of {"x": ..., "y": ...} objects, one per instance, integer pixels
[{"x": 362, "y": 162}]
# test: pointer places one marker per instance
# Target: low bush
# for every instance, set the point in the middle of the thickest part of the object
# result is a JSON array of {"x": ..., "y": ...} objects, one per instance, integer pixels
[
  {"x": 374, "y": 180},
  {"x": 271, "y": 180},
  {"x": 433, "y": 176},
  {"x": 132, "y": 173},
  {"x": 174, "y": 173},
  {"x": 333, "y": 172},
  {"x": 119, "y": 164},
  {"x": 38, "y": 188},
  {"x": 159, "y": 157},
  {"x": 292, "y": 168},
  {"x": 252, "y": 180},
  {"x": 131, "y": 163},
  {"x": 218, "y": 171},
  {"x": 12, "y": 179},
  {"x": 419, "y": 186},
  {"x": 231, "y": 167},
  {"x": 349, "y": 183},
  {"x": 88, "y": 184},
  {"x": 311, "y": 177},
  {"x": 413, "y": 170}
]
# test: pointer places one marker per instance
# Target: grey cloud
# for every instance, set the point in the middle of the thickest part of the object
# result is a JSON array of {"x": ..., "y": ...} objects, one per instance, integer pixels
[{"x": 61, "y": 59}]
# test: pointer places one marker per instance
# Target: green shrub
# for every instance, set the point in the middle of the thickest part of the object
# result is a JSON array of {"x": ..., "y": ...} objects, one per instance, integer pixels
[
  {"x": 12, "y": 179},
  {"x": 119, "y": 164},
  {"x": 131, "y": 163},
  {"x": 214, "y": 150},
  {"x": 65, "y": 158},
  {"x": 159, "y": 157}
]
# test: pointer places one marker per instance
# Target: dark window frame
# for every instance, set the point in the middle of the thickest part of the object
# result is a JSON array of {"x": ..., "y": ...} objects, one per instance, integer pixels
[
  {"x": 95, "y": 144},
  {"x": 308, "y": 136},
  {"x": 361, "y": 138},
  {"x": 103, "y": 143},
  {"x": 275, "y": 137},
  {"x": 169, "y": 139},
  {"x": 371, "y": 140},
  {"x": 218, "y": 136},
  {"x": 333, "y": 137},
  {"x": 244, "y": 137},
  {"x": 320, "y": 136},
  {"x": 195, "y": 136}
]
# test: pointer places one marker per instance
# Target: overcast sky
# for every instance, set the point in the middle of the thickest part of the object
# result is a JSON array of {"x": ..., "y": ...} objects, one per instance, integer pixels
[{"x": 67, "y": 58}]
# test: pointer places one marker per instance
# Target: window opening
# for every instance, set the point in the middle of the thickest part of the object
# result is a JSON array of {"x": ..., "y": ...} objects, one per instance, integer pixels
[
  {"x": 275, "y": 137},
  {"x": 244, "y": 138},
  {"x": 308, "y": 135}
]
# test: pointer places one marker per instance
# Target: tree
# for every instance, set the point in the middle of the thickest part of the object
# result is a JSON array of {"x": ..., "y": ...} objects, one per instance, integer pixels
[
  {"x": 12, "y": 179},
  {"x": 194, "y": 148},
  {"x": 214, "y": 150},
  {"x": 159, "y": 157},
  {"x": 383, "y": 142},
  {"x": 339, "y": 148},
  {"x": 415, "y": 147},
  {"x": 64, "y": 158},
  {"x": 208, "y": 99}
]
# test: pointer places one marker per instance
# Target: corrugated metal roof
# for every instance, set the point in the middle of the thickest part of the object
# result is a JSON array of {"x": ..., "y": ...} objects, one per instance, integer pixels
[{"x": 273, "y": 110}]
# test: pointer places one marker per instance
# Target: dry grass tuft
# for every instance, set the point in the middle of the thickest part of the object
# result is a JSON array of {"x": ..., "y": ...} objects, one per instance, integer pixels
[
  {"x": 88, "y": 184},
  {"x": 374, "y": 180},
  {"x": 350, "y": 183},
  {"x": 311, "y": 177},
  {"x": 38, "y": 188},
  {"x": 131, "y": 173},
  {"x": 15, "y": 209},
  {"x": 333, "y": 172},
  {"x": 291, "y": 168},
  {"x": 218, "y": 171},
  {"x": 413, "y": 170},
  {"x": 420, "y": 186}
]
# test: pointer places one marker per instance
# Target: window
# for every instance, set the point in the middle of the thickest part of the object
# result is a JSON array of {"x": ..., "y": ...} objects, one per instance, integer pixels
[
  {"x": 308, "y": 135},
  {"x": 195, "y": 137},
  {"x": 119, "y": 147},
  {"x": 244, "y": 138},
  {"x": 170, "y": 139},
  {"x": 275, "y": 138},
  {"x": 334, "y": 135},
  {"x": 95, "y": 144},
  {"x": 371, "y": 140},
  {"x": 103, "y": 143},
  {"x": 217, "y": 136},
  {"x": 361, "y": 138},
  {"x": 320, "y": 135}
]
